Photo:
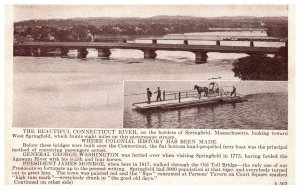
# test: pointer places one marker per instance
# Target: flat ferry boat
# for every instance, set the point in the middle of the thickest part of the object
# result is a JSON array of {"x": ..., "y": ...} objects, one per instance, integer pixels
[{"x": 184, "y": 99}]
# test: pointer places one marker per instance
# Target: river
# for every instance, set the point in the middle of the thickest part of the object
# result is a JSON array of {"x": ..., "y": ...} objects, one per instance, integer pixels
[{"x": 70, "y": 92}]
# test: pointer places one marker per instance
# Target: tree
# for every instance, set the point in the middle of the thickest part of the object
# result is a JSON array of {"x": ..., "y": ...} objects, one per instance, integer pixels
[
  {"x": 261, "y": 67},
  {"x": 93, "y": 29},
  {"x": 81, "y": 30},
  {"x": 62, "y": 35}
]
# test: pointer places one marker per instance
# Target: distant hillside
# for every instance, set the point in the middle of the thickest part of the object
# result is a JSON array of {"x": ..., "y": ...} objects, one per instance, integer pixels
[{"x": 98, "y": 21}]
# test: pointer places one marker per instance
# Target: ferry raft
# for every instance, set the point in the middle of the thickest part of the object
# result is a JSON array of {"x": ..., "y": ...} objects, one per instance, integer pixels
[{"x": 185, "y": 99}]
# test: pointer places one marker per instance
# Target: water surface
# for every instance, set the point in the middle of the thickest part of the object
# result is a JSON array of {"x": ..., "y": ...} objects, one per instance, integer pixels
[{"x": 71, "y": 92}]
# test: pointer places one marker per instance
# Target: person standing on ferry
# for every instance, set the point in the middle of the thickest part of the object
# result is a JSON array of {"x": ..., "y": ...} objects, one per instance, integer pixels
[
  {"x": 149, "y": 95},
  {"x": 158, "y": 94},
  {"x": 233, "y": 91}
]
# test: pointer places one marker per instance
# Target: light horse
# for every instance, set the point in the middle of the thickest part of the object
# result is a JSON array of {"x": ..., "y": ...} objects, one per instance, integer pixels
[{"x": 200, "y": 90}]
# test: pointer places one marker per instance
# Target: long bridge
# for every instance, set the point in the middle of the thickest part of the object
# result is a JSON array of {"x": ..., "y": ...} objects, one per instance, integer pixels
[{"x": 149, "y": 49}]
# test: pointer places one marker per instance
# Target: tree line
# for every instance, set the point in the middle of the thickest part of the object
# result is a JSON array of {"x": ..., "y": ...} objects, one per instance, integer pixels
[{"x": 80, "y": 29}]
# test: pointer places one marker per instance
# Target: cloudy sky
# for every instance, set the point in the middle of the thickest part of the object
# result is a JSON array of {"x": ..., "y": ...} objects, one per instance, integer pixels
[{"x": 27, "y": 12}]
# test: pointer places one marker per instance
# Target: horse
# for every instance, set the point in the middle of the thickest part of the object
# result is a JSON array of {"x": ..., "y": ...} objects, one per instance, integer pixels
[{"x": 200, "y": 90}]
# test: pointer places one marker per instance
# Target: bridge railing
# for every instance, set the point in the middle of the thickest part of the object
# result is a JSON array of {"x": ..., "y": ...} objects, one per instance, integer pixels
[
  {"x": 169, "y": 95},
  {"x": 180, "y": 95},
  {"x": 186, "y": 41},
  {"x": 220, "y": 39}
]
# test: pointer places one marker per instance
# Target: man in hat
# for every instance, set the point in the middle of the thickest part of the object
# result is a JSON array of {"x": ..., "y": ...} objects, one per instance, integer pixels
[
  {"x": 158, "y": 94},
  {"x": 149, "y": 94},
  {"x": 233, "y": 91}
]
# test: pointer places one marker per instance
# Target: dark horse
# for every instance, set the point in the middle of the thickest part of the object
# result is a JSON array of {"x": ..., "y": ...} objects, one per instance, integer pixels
[{"x": 200, "y": 90}]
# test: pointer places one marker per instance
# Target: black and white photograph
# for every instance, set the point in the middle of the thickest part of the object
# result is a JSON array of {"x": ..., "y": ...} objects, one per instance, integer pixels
[
  {"x": 70, "y": 61},
  {"x": 206, "y": 105}
]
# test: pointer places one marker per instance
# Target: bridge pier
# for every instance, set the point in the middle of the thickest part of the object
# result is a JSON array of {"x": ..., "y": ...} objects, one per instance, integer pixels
[
  {"x": 104, "y": 53},
  {"x": 200, "y": 57},
  {"x": 186, "y": 42},
  {"x": 82, "y": 53},
  {"x": 149, "y": 54},
  {"x": 64, "y": 52}
]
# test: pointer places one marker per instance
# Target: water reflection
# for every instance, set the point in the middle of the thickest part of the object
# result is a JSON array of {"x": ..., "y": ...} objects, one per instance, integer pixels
[
  {"x": 149, "y": 120},
  {"x": 159, "y": 119},
  {"x": 179, "y": 118}
]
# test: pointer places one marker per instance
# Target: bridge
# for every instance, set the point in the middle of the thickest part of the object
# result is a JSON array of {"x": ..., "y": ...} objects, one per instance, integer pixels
[{"x": 149, "y": 49}]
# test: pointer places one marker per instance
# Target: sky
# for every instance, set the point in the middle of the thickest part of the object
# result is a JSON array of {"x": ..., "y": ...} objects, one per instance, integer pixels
[{"x": 28, "y": 12}]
